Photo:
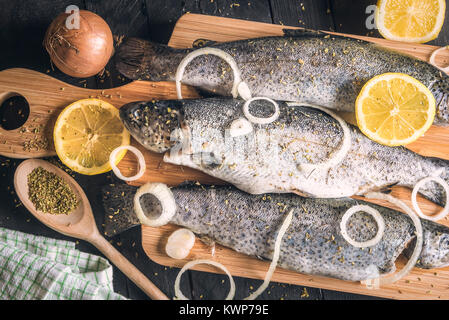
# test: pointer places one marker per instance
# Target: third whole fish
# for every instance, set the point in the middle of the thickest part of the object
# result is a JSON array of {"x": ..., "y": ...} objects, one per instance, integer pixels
[
  {"x": 312, "y": 244},
  {"x": 306, "y": 66}
]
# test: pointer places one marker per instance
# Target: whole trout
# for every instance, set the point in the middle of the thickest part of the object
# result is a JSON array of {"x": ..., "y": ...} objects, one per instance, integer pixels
[
  {"x": 273, "y": 157},
  {"x": 306, "y": 66},
  {"x": 312, "y": 244}
]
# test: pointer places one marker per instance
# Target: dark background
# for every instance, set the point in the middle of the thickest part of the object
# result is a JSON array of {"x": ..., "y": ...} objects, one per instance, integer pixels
[{"x": 22, "y": 28}]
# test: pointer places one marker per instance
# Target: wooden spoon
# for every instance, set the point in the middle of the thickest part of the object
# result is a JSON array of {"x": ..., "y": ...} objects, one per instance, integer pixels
[{"x": 80, "y": 223}]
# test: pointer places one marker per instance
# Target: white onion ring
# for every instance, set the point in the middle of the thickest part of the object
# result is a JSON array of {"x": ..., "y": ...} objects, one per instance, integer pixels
[
  {"x": 432, "y": 59},
  {"x": 240, "y": 127},
  {"x": 204, "y": 51},
  {"x": 166, "y": 199},
  {"x": 388, "y": 279},
  {"x": 140, "y": 158},
  {"x": 375, "y": 214},
  {"x": 257, "y": 120},
  {"x": 345, "y": 145},
  {"x": 178, "y": 293},
  {"x": 416, "y": 188},
  {"x": 274, "y": 261}
]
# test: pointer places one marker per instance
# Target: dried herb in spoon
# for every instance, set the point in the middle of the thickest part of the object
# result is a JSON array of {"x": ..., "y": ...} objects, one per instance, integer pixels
[{"x": 50, "y": 193}]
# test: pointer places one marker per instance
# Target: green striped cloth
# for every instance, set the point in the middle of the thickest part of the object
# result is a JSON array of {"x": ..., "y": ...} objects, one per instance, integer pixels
[{"x": 34, "y": 268}]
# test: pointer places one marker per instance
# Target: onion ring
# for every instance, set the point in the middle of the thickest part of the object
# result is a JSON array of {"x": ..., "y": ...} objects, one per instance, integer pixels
[
  {"x": 274, "y": 261},
  {"x": 240, "y": 127},
  {"x": 432, "y": 59},
  {"x": 140, "y": 157},
  {"x": 166, "y": 199},
  {"x": 345, "y": 145},
  {"x": 178, "y": 293},
  {"x": 388, "y": 279},
  {"x": 214, "y": 51},
  {"x": 257, "y": 120},
  {"x": 375, "y": 214},
  {"x": 443, "y": 212}
]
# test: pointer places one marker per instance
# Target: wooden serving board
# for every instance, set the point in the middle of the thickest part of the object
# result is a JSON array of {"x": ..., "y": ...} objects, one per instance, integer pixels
[
  {"x": 419, "y": 284},
  {"x": 48, "y": 96}
]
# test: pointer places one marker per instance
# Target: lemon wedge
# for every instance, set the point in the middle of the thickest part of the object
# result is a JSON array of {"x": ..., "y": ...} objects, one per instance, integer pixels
[
  {"x": 394, "y": 109},
  {"x": 416, "y": 21},
  {"x": 85, "y": 134}
]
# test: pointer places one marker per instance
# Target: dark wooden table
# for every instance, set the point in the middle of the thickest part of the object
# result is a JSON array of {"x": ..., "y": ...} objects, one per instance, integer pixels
[{"x": 22, "y": 27}]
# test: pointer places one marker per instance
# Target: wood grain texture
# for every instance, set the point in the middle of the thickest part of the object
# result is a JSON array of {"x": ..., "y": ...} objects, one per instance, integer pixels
[
  {"x": 48, "y": 96},
  {"x": 419, "y": 284}
]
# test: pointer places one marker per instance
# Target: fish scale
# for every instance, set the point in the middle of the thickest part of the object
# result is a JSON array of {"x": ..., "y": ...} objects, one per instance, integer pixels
[
  {"x": 311, "y": 135},
  {"x": 303, "y": 65},
  {"x": 312, "y": 243}
]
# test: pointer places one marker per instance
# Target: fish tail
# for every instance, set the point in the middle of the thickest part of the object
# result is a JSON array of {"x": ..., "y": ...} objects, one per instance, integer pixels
[{"x": 139, "y": 59}]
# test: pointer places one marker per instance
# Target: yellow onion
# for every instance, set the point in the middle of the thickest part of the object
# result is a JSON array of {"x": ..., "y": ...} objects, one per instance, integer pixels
[{"x": 81, "y": 52}]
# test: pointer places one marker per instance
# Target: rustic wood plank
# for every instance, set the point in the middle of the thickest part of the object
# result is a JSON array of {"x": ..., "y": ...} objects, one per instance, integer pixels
[
  {"x": 163, "y": 14},
  {"x": 312, "y": 14}
]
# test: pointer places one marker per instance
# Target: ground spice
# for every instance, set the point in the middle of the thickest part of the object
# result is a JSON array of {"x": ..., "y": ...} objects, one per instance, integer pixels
[{"x": 50, "y": 193}]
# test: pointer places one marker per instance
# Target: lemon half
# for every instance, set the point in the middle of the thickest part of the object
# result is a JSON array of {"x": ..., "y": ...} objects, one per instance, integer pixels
[
  {"x": 416, "y": 21},
  {"x": 85, "y": 134},
  {"x": 395, "y": 109}
]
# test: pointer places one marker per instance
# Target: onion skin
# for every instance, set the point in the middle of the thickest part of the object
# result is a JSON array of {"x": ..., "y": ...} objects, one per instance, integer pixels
[{"x": 82, "y": 52}]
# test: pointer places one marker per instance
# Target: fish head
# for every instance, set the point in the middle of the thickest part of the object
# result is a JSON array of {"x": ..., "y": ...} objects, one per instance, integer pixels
[
  {"x": 153, "y": 123},
  {"x": 435, "y": 251}
]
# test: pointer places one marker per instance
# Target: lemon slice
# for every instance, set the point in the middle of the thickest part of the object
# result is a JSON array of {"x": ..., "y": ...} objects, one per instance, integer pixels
[
  {"x": 416, "y": 21},
  {"x": 85, "y": 134},
  {"x": 394, "y": 109}
]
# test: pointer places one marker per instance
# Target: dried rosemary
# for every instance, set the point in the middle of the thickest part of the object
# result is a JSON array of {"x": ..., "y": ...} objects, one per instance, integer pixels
[{"x": 50, "y": 193}]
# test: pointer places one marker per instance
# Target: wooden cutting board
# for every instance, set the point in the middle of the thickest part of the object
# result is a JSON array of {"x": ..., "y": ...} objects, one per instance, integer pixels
[{"x": 419, "y": 284}]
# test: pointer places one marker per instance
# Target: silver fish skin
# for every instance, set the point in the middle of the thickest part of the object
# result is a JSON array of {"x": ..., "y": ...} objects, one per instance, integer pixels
[
  {"x": 306, "y": 66},
  {"x": 313, "y": 243},
  {"x": 270, "y": 159}
]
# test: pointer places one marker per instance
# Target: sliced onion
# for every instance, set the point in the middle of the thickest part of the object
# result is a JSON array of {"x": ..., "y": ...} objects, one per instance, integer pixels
[
  {"x": 342, "y": 151},
  {"x": 140, "y": 158},
  {"x": 178, "y": 293},
  {"x": 257, "y": 120},
  {"x": 375, "y": 214},
  {"x": 204, "y": 51},
  {"x": 179, "y": 243},
  {"x": 432, "y": 59},
  {"x": 416, "y": 188},
  {"x": 240, "y": 127},
  {"x": 166, "y": 199},
  {"x": 388, "y": 279},
  {"x": 274, "y": 261}
]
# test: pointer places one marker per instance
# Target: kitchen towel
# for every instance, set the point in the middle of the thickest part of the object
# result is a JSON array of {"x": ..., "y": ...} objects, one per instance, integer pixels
[{"x": 39, "y": 268}]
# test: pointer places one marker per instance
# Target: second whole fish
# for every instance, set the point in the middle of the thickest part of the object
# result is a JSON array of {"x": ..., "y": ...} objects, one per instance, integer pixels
[{"x": 271, "y": 158}]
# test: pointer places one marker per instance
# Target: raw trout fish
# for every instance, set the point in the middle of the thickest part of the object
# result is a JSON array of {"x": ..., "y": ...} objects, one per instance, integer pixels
[
  {"x": 312, "y": 244},
  {"x": 306, "y": 66},
  {"x": 272, "y": 157}
]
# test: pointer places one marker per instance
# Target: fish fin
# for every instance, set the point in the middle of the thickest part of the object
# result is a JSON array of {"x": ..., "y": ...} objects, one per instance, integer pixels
[
  {"x": 204, "y": 93},
  {"x": 119, "y": 214},
  {"x": 206, "y": 160},
  {"x": 302, "y": 32},
  {"x": 200, "y": 43},
  {"x": 388, "y": 188},
  {"x": 302, "y": 194}
]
